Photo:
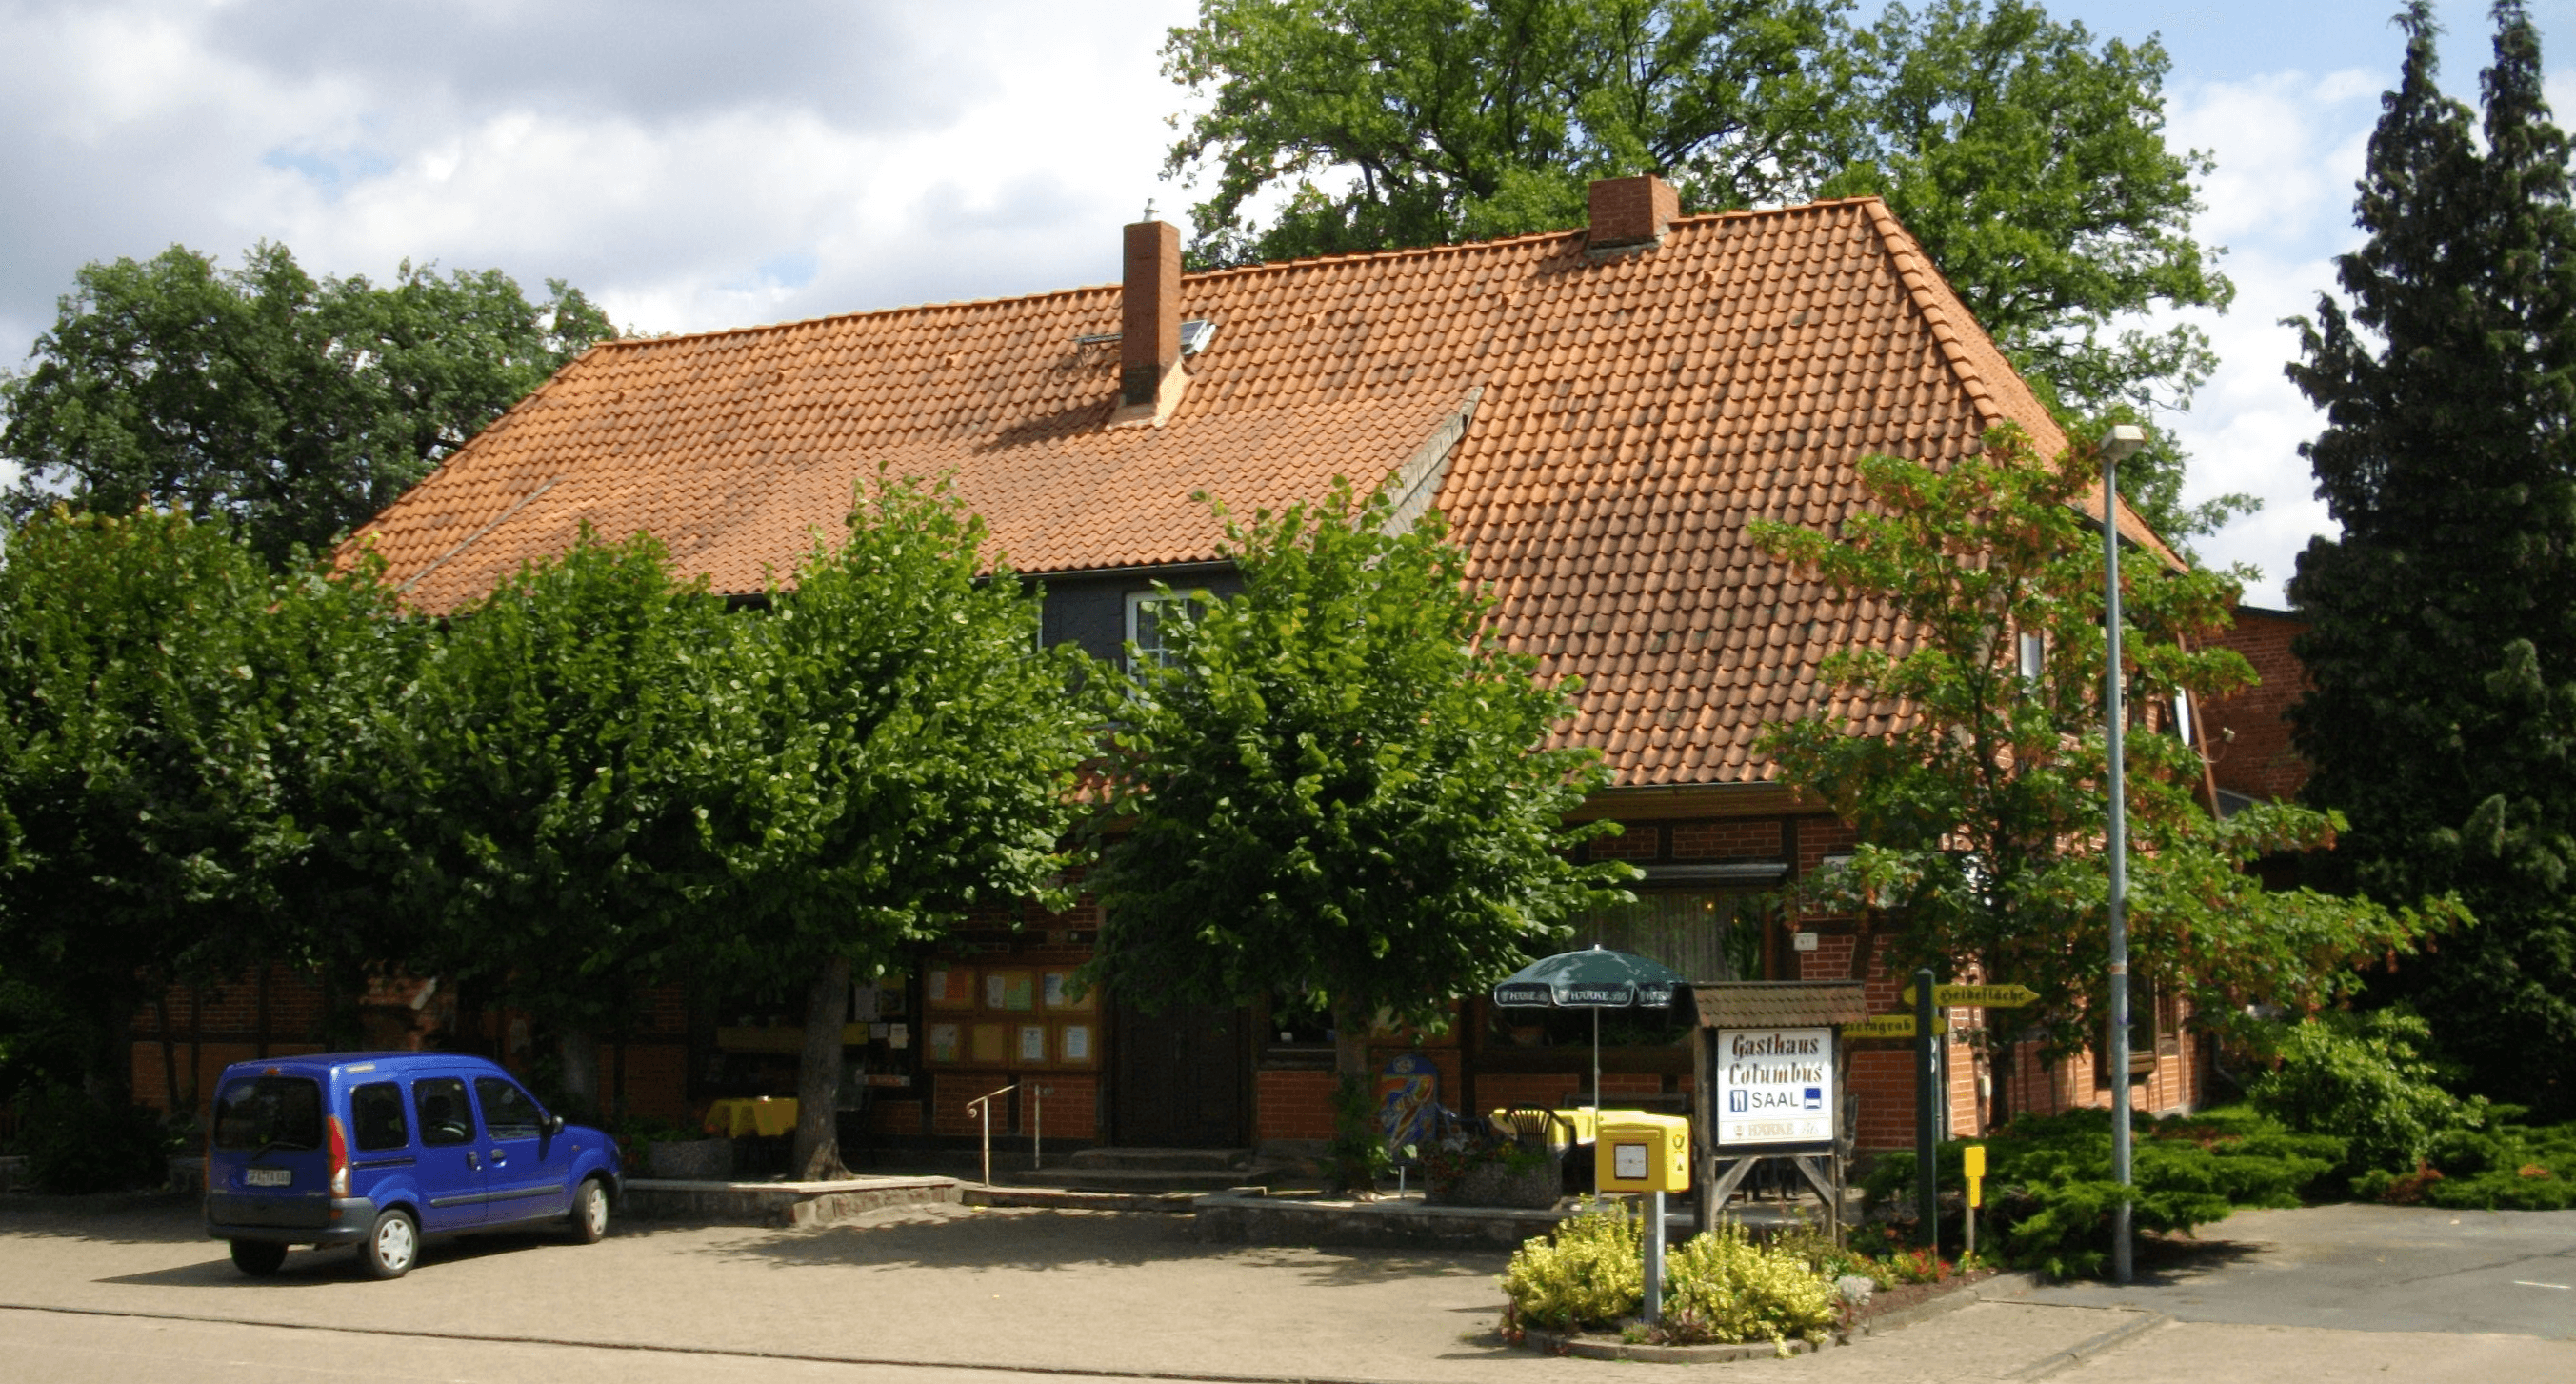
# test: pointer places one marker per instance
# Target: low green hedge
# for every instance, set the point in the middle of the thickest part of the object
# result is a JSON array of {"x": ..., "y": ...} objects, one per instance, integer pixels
[{"x": 2049, "y": 1194}]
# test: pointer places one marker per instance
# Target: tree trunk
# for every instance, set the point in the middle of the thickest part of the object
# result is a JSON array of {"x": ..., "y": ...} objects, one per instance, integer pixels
[
  {"x": 579, "y": 1049},
  {"x": 1350, "y": 1039},
  {"x": 817, "y": 1154},
  {"x": 1358, "y": 1144},
  {"x": 169, "y": 1058}
]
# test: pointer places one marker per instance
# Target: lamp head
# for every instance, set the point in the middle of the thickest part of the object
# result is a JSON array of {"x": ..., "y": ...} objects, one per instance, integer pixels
[{"x": 2124, "y": 441}]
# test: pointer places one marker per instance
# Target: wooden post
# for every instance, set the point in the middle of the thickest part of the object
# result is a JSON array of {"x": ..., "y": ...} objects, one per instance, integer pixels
[{"x": 1704, "y": 1194}]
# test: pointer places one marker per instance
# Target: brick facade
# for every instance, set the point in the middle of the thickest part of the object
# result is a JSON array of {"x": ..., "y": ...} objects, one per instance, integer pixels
[
  {"x": 649, "y": 1073},
  {"x": 2247, "y": 736}
]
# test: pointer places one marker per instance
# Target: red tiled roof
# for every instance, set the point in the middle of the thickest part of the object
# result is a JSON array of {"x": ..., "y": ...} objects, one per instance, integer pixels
[{"x": 1631, "y": 413}]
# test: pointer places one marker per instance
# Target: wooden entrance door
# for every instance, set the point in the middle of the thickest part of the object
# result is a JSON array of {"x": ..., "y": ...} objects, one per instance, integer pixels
[{"x": 1180, "y": 1078}]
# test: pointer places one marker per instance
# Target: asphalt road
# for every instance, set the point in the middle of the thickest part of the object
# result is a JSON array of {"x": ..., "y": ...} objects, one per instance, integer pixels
[
  {"x": 117, "y": 1290},
  {"x": 72, "y": 1348},
  {"x": 2367, "y": 1268}
]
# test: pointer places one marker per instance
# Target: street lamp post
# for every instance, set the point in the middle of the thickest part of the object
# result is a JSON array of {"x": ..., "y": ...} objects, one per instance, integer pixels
[{"x": 2121, "y": 442}]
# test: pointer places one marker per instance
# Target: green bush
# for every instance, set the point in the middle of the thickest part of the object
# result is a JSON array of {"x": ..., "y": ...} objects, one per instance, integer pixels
[
  {"x": 75, "y": 1145},
  {"x": 2365, "y": 1078},
  {"x": 1723, "y": 1287},
  {"x": 1590, "y": 1272},
  {"x": 2501, "y": 1166},
  {"x": 2049, "y": 1193}
]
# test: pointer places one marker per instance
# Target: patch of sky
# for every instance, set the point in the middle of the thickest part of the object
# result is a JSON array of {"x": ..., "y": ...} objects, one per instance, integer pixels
[
  {"x": 334, "y": 172},
  {"x": 780, "y": 273}
]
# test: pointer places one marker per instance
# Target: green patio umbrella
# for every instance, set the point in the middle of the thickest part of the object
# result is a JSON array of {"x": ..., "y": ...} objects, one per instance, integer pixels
[{"x": 1595, "y": 978}]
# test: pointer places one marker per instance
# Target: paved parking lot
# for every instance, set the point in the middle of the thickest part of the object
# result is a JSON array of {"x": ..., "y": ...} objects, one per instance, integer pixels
[
  {"x": 2368, "y": 1268},
  {"x": 114, "y": 1290}
]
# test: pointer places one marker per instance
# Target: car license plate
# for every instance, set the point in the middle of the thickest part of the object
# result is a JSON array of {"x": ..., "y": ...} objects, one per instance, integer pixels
[{"x": 267, "y": 1177}]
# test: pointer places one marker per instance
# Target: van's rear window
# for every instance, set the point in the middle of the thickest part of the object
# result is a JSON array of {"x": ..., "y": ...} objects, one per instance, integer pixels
[{"x": 283, "y": 1112}]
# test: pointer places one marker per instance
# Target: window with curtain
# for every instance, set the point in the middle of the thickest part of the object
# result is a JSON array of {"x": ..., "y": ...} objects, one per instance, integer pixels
[{"x": 1703, "y": 934}]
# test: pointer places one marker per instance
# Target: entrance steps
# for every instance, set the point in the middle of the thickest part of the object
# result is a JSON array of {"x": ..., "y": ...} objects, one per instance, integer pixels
[
  {"x": 1145, "y": 1170},
  {"x": 1176, "y": 1160}
]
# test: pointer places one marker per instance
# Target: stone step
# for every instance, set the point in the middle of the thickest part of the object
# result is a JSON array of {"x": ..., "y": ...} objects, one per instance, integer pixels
[
  {"x": 1209, "y": 1160},
  {"x": 1063, "y": 1199},
  {"x": 1137, "y": 1179}
]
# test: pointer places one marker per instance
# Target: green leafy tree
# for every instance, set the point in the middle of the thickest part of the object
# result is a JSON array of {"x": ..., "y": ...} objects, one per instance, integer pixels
[
  {"x": 294, "y": 406},
  {"x": 2030, "y": 161},
  {"x": 2027, "y": 156},
  {"x": 2442, "y": 653},
  {"x": 902, "y": 753},
  {"x": 545, "y": 820},
  {"x": 172, "y": 709},
  {"x": 1415, "y": 122},
  {"x": 1339, "y": 787},
  {"x": 1980, "y": 812}
]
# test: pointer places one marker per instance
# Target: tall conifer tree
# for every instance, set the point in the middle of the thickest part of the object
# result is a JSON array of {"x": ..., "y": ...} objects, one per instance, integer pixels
[{"x": 2443, "y": 652}]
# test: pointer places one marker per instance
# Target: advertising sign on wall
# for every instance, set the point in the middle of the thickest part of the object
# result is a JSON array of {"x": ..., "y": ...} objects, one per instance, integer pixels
[{"x": 1775, "y": 1086}]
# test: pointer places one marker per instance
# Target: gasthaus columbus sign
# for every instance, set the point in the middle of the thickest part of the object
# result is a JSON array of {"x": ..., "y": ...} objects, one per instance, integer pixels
[{"x": 1775, "y": 1086}]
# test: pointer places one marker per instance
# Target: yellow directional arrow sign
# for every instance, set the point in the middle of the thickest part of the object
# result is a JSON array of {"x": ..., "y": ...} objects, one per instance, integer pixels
[
  {"x": 1989, "y": 996},
  {"x": 1891, "y": 1026}
]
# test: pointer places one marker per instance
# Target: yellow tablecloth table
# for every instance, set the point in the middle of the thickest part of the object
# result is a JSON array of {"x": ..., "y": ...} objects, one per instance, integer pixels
[{"x": 766, "y": 1116}]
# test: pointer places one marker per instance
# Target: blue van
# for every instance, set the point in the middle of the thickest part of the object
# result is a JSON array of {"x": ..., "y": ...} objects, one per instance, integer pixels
[{"x": 382, "y": 1149}]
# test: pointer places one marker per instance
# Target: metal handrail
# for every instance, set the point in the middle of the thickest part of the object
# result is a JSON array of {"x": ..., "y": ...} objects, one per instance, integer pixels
[{"x": 983, "y": 1105}]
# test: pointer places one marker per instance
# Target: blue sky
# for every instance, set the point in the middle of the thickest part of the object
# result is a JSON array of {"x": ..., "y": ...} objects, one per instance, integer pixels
[{"x": 696, "y": 166}]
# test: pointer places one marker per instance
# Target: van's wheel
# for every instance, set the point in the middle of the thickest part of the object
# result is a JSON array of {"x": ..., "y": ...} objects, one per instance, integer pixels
[
  {"x": 590, "y": 1212},
  {"x": 392, "y": 1245},
  {"x": 258, "y": 1258}
]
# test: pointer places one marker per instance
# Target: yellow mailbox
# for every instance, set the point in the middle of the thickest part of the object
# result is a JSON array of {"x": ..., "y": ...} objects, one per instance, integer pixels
[{"x": 1638, "y": 1152}]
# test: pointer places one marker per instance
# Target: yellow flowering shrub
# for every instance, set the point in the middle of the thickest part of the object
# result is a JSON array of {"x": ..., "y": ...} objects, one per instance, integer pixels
[
  {"x": 1723, "y": 1287},
  {"x": 1592, "y": 1272}
]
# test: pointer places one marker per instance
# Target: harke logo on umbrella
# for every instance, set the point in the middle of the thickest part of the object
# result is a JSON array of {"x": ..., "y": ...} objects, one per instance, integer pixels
[{"x": 1595, "y": 978}]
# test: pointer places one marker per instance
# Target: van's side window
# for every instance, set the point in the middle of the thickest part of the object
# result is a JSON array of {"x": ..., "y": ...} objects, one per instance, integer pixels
[
  {"x": 444, "y": 1118},
  {"x": 377, "y": 1109},
  {"x": 507, "y": 1111}
]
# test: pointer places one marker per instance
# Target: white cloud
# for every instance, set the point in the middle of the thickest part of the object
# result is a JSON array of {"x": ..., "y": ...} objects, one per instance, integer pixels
[
  {"x": 688, "y": 172},
  {"x": 2288, "y": 148}
]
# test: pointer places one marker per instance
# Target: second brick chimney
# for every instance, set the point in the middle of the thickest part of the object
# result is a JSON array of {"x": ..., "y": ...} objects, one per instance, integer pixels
[
  {"x": 1149, "y": 341},
  {"x": 1628, "y": 213}
]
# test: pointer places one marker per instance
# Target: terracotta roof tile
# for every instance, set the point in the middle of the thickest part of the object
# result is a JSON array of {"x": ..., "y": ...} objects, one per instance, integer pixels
[{"x": 1636, "y": 411}]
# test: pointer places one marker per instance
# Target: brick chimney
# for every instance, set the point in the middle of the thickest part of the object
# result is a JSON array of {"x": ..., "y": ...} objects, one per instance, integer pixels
[
  {"x": 1149, "y": 342},
  {"x": 1626, "y": 213}
]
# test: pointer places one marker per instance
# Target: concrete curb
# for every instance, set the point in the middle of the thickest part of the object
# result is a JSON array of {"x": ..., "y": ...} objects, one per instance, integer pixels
[
  {"x": 1983, "y": 1290},
  {"x": 778, "y": 1204},
  {"x": 2091, "y": 1346},
  {"x": 1593, "y": 1348}
]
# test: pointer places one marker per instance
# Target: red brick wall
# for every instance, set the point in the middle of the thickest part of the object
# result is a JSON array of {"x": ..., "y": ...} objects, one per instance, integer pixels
[
  {"x": 949, "y": 1093},
  {"x": 2259, "y": 761},
  {"x": 1293, "y": 1105},
  {"x": 1757, "y": 837},
  {"x": 1540, "y": 1090},
  {"x": 1641, "y": 841},
  {"x": 1819, "y": 837},
  {"x": 1072, "y": 1104}
]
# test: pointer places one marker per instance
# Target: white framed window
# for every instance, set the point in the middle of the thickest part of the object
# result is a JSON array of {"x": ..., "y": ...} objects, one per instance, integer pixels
[
  {"x": 2030, "y": 657},
  {"x": 1145, "y": 625}
]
